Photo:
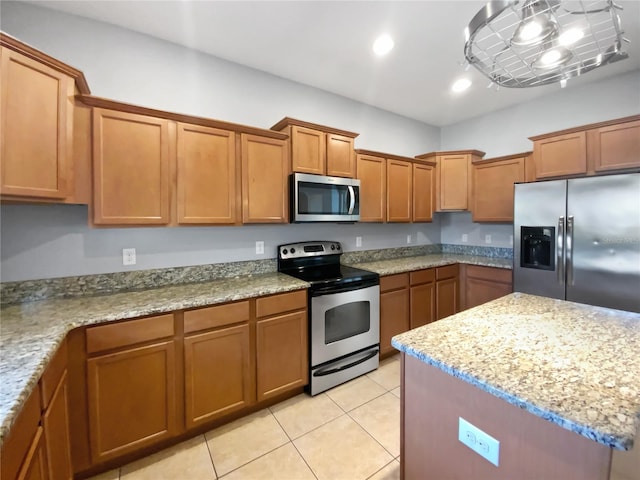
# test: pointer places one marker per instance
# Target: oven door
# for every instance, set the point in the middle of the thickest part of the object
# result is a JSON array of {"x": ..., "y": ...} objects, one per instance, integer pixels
[
  {"x": 343, "y": 323},
  {"x": 316, "y": 198}
]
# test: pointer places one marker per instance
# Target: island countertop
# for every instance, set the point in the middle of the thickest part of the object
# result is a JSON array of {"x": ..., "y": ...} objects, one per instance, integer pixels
[
  {"x": 32, "y": 332},
  {"x": 575, "y": 365}
]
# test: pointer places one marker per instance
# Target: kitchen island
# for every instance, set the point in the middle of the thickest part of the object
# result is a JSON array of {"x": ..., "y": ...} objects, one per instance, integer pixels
[{"x": 555, "y": 382}]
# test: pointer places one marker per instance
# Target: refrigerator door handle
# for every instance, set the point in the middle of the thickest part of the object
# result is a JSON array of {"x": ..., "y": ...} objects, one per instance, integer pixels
[
  {"x": 560, "y": 251},
  {"x": 570, "y": 250}
]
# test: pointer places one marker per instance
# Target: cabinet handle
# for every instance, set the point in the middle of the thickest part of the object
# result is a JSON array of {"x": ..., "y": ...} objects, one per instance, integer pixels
[
  {"x": 570, "y": 250},
  {"x": 352, "y": 200},
  {"x": 560, "y": 251}
]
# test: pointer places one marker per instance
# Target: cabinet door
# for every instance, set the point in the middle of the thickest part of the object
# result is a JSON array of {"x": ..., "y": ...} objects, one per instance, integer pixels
[
  {"x": 446, "y": 297},
  {"x": 493, "y": 189},
  {"x": 453, "y": 182},
  {"x": 373, "y": 188},
  {"x": 394, "y": 317},
  {"x": 132, "y": 399},
  {"x": 35, "y": 463},
  {"x": 56, "y": 431},
  {"x": 37, "y": 124},
  {"x": 422, "y": 304},
  {"x": 399, "y": 191},
  {"x": 265, "y": 174},
  {"x": 206, "y": 175},
  {"x": 131, "y": 158},
  {"x": 308, "y": 150},
  {"x": 560, "y": 155},
  {"x": 217, "y": 374},
  {"x": 615, "y": 147},
  {"x": 340, "y": 156},
  {"x": 422, "y": 193},
  {"x": 281, "y": 349},
  {"x": 483, "y": 291}
]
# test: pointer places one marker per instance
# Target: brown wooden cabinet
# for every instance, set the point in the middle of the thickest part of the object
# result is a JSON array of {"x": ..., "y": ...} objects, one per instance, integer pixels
[
  {"x": 483, "y": 284},
  {"x": 207, "y": 180},
  {"x": 394, "y": 309},
  {"x": 453, "y": 179},
  {"x": 422, "y": 297},
  {"x": 318, "y": 149},
  {"x": 560, "y": 155},
  {"x": 422, "y": 189},
  {"x": 493, "y": 186},
  {"x": 399, "y": 191},
  {"x": 372, "y": 173},
  {"x": 282, "y": 361},
  {"x": 217, "y": 362},
  {"x": 265, "y": 171},
  {"x": 37, "y": 125},
  {"x": 131, "y": 159},
  {"x": 447, "y": 291},
  {"x": 131, "y": 384},
  {"x": 614, "y": 147}
]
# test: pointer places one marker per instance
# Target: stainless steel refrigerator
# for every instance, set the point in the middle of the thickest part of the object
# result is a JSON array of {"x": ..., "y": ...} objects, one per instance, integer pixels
[{"x": 579, "y": 240}]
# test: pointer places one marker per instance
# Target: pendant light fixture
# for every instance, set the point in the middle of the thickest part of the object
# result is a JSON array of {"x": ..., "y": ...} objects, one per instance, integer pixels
[{"x": 530, "y": 43}]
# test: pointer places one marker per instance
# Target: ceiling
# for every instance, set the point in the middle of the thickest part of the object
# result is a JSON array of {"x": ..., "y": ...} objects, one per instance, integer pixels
[{"x": 327, "y": 45}]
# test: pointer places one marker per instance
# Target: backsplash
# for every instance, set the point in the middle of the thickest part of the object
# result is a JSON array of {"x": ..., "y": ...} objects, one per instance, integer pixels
[{"x": 108, "y": 283}]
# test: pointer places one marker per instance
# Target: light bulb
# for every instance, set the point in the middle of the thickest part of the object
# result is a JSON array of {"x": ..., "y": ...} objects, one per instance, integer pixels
[
  {"x": 461, "y": 85},
  {"x": 550, "y": 57},
  {"x": 571, "y": 36},
  {"x": 383, "y": 44},
  {"x": 530, "y": 30}
]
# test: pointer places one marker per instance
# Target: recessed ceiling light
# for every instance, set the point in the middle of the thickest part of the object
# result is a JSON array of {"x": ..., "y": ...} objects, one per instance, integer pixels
[
  {"x": 570, "y": 37},
  {"x": 461, "y": 85},
  {"x": 383, "y": 44}
]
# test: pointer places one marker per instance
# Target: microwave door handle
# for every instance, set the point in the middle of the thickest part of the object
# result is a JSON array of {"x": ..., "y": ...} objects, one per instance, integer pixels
[{"x": 352, "y": 201}]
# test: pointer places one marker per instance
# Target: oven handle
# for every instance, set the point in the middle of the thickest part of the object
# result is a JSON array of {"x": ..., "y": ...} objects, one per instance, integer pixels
[
  {"x": 348, "y": 287},
  {"x": 321, "y": 372}
]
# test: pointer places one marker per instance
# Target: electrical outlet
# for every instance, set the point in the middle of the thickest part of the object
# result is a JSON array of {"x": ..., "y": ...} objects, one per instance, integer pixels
[
  {"x": 480, "y": 442},
  {"x": 408, "y": 238},
  {"x": 510, "y": 239},
  {"x": 487, "y": 239},
  {"x": 465, "y": 238},
  {"x": 259, "y": 247},
  {"x": 128, "y": 256},
  {"x": 358, "y": 241}
]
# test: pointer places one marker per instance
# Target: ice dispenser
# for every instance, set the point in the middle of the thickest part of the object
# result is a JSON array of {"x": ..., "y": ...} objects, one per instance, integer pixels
[{"x": 538, "y": 248}]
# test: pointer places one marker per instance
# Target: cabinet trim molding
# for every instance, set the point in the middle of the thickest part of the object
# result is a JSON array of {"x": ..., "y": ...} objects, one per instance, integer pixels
[{"x": 590, "y": 126}]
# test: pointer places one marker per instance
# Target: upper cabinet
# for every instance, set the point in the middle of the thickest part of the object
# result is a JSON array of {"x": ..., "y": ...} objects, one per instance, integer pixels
[
  {"x": 394, "y": 188},
  {"x": 588, "y": 150},
  {"x": 37, "y": 112},
  {"x": 493, "y": 181},
  {"x": 318, "y": 149},
  {"x": 453, "y": 184}
]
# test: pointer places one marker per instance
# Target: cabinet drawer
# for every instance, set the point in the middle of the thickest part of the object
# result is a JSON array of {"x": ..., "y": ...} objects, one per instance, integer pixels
[
  {"x": 131, "y": 332},
  {"x": 284, "y": 302},
  {"x": 217, "y": 316},
  {"x": 449, "y": 271},
  {"x": 422, "y": 276},
  {"x": 493, "y": 274},
  {"x": 52, "y": 375},
  {"x": 394, "y": 282}
]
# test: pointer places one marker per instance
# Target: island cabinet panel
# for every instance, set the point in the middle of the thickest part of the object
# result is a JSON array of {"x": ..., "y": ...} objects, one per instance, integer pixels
[
  {"x": 614, "y": 147},
  {"x": 308, "y": 150},
  {"x": 206, "y": 175},
  {"x": 422, "y": 297},
  {"x": 131, "y": 159},
  {"x": 217, "y": 373},
  {"x": 422, "y": 187},
  {"x": 447, "y": 294},
  {"x": 131, "y": 381},
  {"x": 36, "y": 112},
  {"x": 265, "y": 171},
  {"x": 281, "y": 344},
  {"x": 394, "y": 309},
  {"x": 431, "y": 404},
  {"x": 493, "y": 184},
  {"x": 561, "y": 155},
  {"x": 372, "y": 172},
  {"x": 340, "y": 156},
  {"x": 483, "y": 284},
  {"x": 399, "y": 191}
]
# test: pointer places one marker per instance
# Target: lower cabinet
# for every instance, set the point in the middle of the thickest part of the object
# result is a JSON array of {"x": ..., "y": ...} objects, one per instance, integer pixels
[
  {"x": 447, "y": 291},
  {"x": 483, "y": 284},
  {"x": 35, "y": 463},
  {"x": 422, "y": 295},
  {"x": 394, "y": 309}
]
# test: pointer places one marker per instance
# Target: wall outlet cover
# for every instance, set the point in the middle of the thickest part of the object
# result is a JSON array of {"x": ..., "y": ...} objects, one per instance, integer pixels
[
  {"x": 487, "y": 239},
  {"x": 128, "y": 256},
  {"x": 480, "y": 442},
  {"x": 465, "y": 238},
  {"x": 358, "y": 241},
  {"x": 259, "y": 247}
]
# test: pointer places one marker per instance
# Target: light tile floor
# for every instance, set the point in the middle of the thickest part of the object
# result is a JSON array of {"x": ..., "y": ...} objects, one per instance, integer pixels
[{"x": 351, "y": 432}]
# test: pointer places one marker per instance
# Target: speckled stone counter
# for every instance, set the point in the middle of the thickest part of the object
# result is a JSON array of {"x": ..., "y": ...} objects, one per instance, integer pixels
[
  {"x": 409, "y": 264},
  {"x": 575, "y": 365},
  {"x": 32, "y": 332}
]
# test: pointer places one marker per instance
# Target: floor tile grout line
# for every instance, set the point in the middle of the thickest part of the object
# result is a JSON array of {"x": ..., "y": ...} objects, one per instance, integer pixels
[
  {"x": 304, "y": 459},
  {"x": 254, "y": 459},
  {"x": 361, "y": 426},
  {"x": 378, "y": 471},
  {"x": 215, "y": 472}
]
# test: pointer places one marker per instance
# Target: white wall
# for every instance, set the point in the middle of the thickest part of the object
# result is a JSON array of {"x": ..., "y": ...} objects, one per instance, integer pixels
[
  {"x": 456, "y": 224},
  {"x": 54, "y": 241}
]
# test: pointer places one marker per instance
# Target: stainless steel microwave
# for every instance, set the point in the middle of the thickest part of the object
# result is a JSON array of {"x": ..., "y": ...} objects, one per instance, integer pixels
[{"x": 316, "y": 198}]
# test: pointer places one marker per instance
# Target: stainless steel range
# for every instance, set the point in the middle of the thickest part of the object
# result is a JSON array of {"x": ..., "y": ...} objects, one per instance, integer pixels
[{"x": 344, "y": 312}]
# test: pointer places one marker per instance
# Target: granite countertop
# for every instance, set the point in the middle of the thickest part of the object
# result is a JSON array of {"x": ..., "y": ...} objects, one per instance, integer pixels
[
  {"x": 409, "y": 264},
  {"x": 575, "y": 365},
  {"x": 32, "y": 332}
]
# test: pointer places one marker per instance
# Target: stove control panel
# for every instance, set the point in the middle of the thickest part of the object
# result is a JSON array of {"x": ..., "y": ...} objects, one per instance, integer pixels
[{"x": 309, "y": 249}]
